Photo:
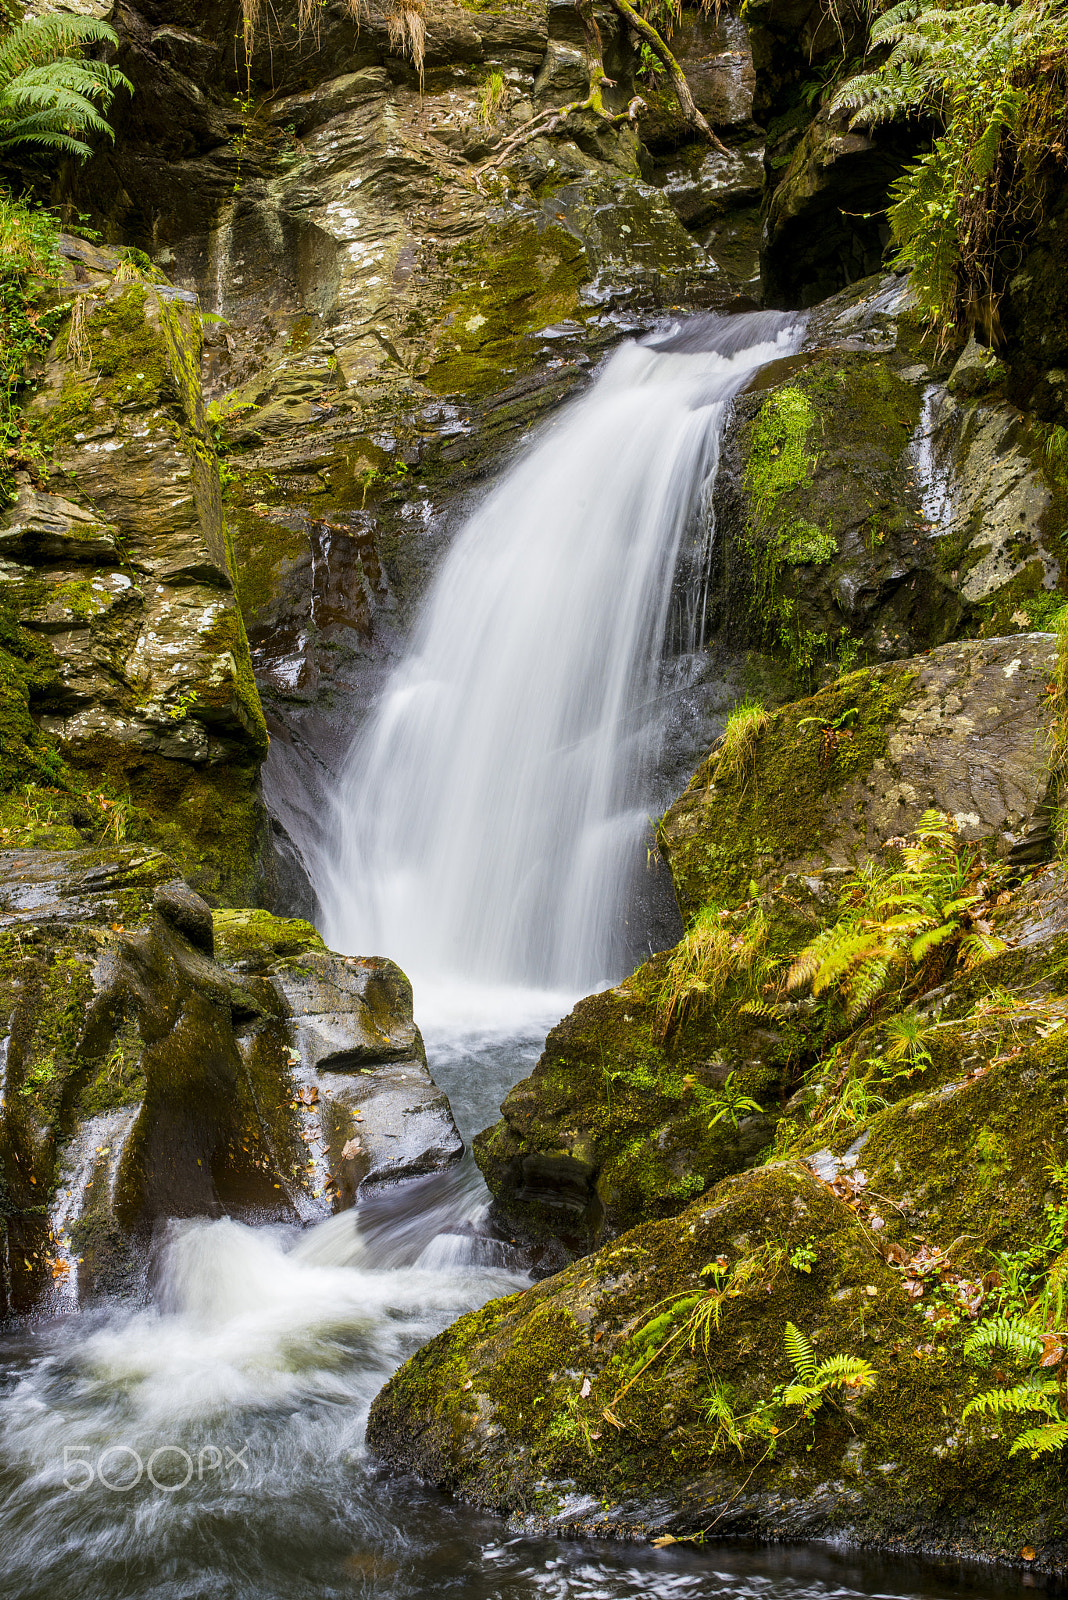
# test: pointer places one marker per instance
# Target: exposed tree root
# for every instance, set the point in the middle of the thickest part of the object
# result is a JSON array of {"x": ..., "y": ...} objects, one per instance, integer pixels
[{"x": 547, "y": 122}]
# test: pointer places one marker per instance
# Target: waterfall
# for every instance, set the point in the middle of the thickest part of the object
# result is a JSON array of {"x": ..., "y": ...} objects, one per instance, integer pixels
[{"x": 489, "y": 818}]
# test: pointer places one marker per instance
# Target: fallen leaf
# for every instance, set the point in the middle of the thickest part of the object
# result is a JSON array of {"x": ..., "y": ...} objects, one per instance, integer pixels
[
  {"x": 351, "y": 1150},
  {"x": 1027, "y": 1553},
  {"x": 664, "y": 1539},
  {"x": 585, "y": 1390}
]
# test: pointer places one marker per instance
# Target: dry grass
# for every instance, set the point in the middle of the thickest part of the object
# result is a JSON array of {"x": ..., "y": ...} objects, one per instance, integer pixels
[
  {"x": 737, "y": 750},
  {"x": 706, "y": 958},
  {"x": 406, "y": 26}
]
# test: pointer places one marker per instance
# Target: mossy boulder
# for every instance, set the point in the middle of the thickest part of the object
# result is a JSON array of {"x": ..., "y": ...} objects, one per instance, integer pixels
[
  {"x": 864, "y": 512},
  {"x": 624, "y": 1117},
  {"x": 963, "y": 729},
  {"x": 145, "y": 1080},
  {"x": 602, "y": 1400}
]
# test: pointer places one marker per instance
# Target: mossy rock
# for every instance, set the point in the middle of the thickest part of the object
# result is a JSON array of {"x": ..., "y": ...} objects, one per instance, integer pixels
[
  {"x": 555, "y": 1404},
  {"x": 962, "y": 729},
  {"x": 252, "y": 940}
]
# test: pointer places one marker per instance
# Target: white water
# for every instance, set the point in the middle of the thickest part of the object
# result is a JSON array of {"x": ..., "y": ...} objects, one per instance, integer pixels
[{"x": 489, "y": 817}]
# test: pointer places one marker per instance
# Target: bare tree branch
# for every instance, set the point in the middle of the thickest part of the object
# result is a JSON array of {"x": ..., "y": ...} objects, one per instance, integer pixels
[{"x": 646, "y": 31}]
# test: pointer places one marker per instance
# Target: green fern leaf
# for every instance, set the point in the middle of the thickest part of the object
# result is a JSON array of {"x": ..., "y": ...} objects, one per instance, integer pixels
[
  {"x": 801, "y": 1355},
  {"x": 1044, "y": 1440},
  {"x": 1014, "y": 1334}
]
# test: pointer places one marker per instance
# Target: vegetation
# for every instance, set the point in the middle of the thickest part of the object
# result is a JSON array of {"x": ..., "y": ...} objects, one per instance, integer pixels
[
  {"x": 903, "y": 925},
  {"x": 712, "y": 951},
  {"x": 49, "y": 92},
  {"x": 994, "y": 78},
  {"x": 28, "y": 259},
  {"x": 744, "y": 726}
]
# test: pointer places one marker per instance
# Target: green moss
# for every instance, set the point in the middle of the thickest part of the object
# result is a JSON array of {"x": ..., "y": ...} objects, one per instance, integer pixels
[
  {"x": 265, "y": 550},
  {"x": 252, "y": 939},
  {"x": 722, "y": 833},
  {"x": 778, "y": 457},
  {"x": 227, "y": 637},
  {"x": 514, "y": 282}
]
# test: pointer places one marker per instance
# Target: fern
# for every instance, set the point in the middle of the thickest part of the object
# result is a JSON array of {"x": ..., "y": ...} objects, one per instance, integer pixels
[
  {"x": 1042, "y": 1441},
  {"x": 993, "y": 77},
  {"x": 799, "y": 1350},
  {"x": 1023, "y": 1398},
  {"x": 48, "y": 94},
  {"x": 1014, "y": 1334},
  {"x": 845, "y": 1372}
]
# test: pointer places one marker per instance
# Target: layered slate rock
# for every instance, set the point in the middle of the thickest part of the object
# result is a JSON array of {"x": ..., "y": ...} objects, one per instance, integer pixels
[
  {"x": 144, "y": 1080},
  {"x": 862, "y": 511},
  {"x": 612, "y": 1127},
  {"x": 118, "y": 580}
]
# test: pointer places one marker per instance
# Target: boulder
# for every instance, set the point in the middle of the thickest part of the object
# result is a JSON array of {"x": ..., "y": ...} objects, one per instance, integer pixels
[
  {"x": 657, "y": 1387},
  {"x": 144, "y": 1081},
  {"x": 187, "y": 912},
  {"x": 614, "y": 1126}
]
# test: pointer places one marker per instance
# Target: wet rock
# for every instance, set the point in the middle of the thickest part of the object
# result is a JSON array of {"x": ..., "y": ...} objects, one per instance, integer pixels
[
  {"x": 118, "y": 573},
  {"x": 929, "y": 518},
  {"x": 187, "y": 912},
  {"x": 144, "y": 1081},
  {"x": 621, "y": 1442},
  {"x": 963, "y": 729},
  {"x": 976, "y": 370},
  {"x": 75, "y": 886}
]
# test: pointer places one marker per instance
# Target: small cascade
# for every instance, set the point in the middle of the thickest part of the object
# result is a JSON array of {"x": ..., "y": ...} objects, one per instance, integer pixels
[
  {"x": 489, "y": 820},
  {"x": 91, "y": 1163}
]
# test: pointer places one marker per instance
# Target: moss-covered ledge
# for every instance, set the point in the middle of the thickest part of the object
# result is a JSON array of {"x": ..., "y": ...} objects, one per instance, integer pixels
[{"x": 126, "y": 687}]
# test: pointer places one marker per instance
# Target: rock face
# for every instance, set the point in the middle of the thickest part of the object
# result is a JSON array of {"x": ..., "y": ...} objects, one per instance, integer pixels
[
  {"x": 613, "y": 1125},
  {"x": 118, "y": 584},
  {"x": 395, "y": 319},
  {"x": 681, "y": 1378},
  {"x": 144, "y": 1080},
  {"x": 861, "y": 507}
]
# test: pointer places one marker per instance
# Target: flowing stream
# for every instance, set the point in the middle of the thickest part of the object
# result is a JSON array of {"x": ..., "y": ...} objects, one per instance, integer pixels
[{"x": 485, "y": 834}]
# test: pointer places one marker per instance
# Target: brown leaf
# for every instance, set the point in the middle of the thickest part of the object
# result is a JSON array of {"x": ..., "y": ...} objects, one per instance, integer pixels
[
  {"x": 1052, "y": 1351},
  {"x": 1027, "y": 1553}
]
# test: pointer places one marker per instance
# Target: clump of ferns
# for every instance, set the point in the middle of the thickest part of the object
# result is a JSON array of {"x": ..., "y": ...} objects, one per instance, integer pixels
[
  {"x": 1034, "y": 1336},
  {"x": 900, "y": 927},
  {"x": 689, "y": 1322},
  {"x": 994, "y": 80}
]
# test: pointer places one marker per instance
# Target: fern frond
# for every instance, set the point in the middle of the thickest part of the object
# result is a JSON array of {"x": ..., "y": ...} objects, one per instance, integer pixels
[
  {"x": 845, "y": 1372},
  {"x": 1023, "y": 1398},
  {"x": 799, "y": 1350},
  {"x": 926, "y": 942},
  {"x": 801, "y": 1394},
  {"x": 1042, "y": 1441},
  {"x": 1014, "y": 1334}
]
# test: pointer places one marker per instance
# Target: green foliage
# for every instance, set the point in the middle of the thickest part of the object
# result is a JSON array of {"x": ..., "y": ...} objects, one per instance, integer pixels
[
  {"x": 994, "y": 79},
  {"x": 714, "y": 950},
  {"x": 902, "y": 925},
  {"x": 491, "y": 93},
  {"x": 731, "y": 1103},
  {"x": 29, "y": 257},
  {"x": 49, "y": 93},
  {"x": 737, "y": 747}
]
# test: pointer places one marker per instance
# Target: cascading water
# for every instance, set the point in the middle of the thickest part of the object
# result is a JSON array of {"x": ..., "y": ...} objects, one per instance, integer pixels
[
  {"x": 486, "y": 826},
  {"x": 211, "y": 1444}
]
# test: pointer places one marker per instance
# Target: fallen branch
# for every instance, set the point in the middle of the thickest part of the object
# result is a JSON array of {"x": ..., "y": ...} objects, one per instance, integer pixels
[{"x": 648, "y": 33}]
